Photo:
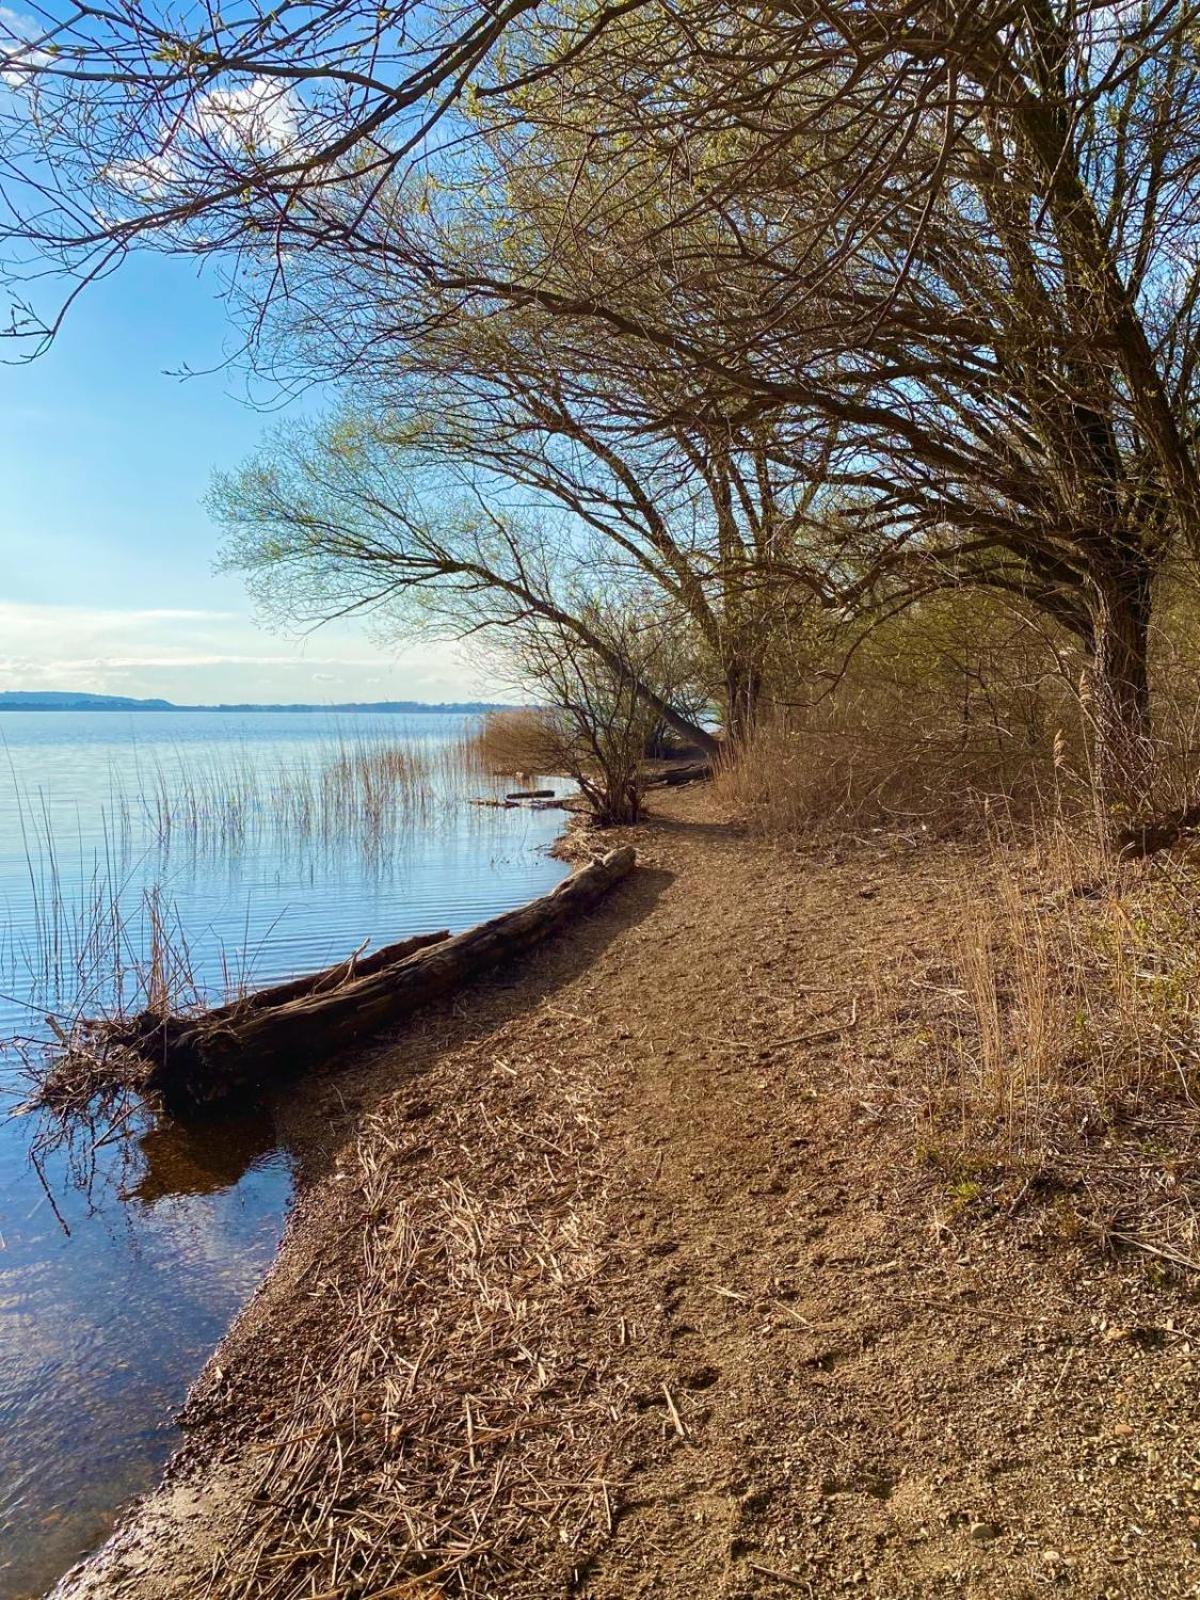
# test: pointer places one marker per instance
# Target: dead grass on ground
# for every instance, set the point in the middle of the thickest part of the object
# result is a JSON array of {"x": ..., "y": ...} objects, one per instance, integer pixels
[
  {"x": 747, "y": 1256},
  {"x": 835, "y": 772},
  {"x": 1046, "y": 1045},
  {"x": 452, "y": 1433}
]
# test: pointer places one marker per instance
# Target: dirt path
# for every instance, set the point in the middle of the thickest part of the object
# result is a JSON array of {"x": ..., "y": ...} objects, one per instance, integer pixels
[{"x": 625, "y": 1279}]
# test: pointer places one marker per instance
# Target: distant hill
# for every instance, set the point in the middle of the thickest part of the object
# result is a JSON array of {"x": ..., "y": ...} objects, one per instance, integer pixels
[
  {"x": 55, "y": 700},
  {"x": 49, "y": 700}
]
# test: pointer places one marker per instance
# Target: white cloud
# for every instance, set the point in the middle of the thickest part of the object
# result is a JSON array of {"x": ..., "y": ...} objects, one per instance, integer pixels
[
  {"x": 18, "y": 36},
  {"x": 256, "y": 119},
  {"x": 201, "y": 656},
  {"x": 15, "y": 29},
  {"x": 258, "y": 116},
  {"x": 34, "y": 620}
]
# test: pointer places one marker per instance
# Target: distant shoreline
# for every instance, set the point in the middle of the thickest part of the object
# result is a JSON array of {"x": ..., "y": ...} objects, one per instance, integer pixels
[{"x": 14, "y": 700}]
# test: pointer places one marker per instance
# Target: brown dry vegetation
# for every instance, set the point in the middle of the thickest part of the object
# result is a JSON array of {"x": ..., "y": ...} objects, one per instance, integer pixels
[
  {"x": 809, "y": 1220},
  {"x": 955, "y": 712},
  {"x": 515, "y": 743},
  {"x": 822, "y": 1217}
]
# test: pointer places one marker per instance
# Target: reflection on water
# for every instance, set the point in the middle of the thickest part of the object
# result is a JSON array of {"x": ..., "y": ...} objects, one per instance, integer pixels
[
  {"x": 123, "y": 1260},
  {"x": 173, "y": 1159},
  {"x": 108, "y": 1308}
]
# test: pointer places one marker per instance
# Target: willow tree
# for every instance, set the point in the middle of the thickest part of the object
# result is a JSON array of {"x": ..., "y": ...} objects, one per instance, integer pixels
[
  {"x": 961, "y": 237},
  {"x": 236, "y": 131},
  {"x": 293, "y": 154},
  {"x": 726, "y": 524},
  {"x": 339, "y": 518}
]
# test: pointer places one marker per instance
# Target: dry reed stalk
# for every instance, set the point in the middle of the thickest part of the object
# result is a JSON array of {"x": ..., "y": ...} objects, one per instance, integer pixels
[
  {"x": 1054, "y": 1041},
  {"x": 450, "y": 1442},
  {"x": 103, "y": 947},
  {"x": 850, "y": 764},
  {"x": 518, "y": 743}
]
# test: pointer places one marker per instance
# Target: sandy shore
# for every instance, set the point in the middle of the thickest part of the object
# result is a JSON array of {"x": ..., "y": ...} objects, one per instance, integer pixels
[{"x": 623, "y": 1276}]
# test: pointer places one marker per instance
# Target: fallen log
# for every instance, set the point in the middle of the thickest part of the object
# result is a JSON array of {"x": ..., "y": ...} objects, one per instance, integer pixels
[
  {"x": 149, "y": 1032},
  {"x": 213, "y": 1058},
  {"x": 692, "y": 772},
  {"x": 1147, "y": 838}
]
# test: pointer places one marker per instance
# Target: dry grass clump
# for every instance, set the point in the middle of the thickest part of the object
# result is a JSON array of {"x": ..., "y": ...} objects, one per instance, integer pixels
[
  {"x": 956, "y": 707},
  {"x": 453, "y": 1441},
  {"x": 1056, "y": 1043},
  {"x": 855, "y": 763},
  {"x": 115, "y": 962},
  {"x": 519, "y": 743},
  {"x": 953, "y": 702}
]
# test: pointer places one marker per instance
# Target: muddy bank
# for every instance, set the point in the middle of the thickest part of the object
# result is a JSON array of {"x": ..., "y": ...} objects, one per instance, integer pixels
[{"x": 625, "y": 1279}]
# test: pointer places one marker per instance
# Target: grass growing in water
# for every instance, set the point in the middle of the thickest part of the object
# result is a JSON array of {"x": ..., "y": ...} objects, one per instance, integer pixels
[
  {"x": 359, "y": 790},
  {"x": 100, "y": 933}
]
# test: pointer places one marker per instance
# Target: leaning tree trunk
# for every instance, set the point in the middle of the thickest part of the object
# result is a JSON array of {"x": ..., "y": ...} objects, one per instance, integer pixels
[{"x": 1120, "y": 693}]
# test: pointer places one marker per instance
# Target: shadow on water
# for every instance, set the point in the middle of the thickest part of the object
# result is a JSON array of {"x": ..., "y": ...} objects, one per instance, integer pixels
[
  {"x": 177, "y": 1159},
  {"x": 96, "y": 1360},
  {"x": 168, "y": 1167}
]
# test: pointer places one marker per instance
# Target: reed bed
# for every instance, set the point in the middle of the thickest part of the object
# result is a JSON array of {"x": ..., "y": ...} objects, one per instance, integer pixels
[
  {"x": 360, "y": 789},
  {"x": 523, "y": 743},
  {"x": 449, "y": 1438}
]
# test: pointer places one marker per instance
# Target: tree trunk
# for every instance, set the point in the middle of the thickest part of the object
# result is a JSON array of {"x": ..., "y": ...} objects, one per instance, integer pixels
[
  {"x": 690, "y": 732},
  {"x": 1120, "y": 691}
]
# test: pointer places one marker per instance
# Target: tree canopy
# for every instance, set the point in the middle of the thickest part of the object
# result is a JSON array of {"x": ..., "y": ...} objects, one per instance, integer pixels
[{"x": 793, "y": 306}]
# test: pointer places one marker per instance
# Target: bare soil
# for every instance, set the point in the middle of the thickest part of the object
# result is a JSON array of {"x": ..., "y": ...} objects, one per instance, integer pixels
[{"x": 625, "y": 1276}]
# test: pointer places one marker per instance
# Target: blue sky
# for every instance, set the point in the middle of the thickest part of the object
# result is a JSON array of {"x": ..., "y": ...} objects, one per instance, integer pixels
[{"x": 106, "y": 553}]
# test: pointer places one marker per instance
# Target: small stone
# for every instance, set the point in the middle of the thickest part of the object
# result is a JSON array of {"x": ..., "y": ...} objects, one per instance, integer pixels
[
  {"x": 1052, "y": 1558},
  {"x": 983, "y": 1531}
]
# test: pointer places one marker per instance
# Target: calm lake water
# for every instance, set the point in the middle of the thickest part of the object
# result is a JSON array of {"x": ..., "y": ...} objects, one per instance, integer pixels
[{"x": 246, "y": 848}]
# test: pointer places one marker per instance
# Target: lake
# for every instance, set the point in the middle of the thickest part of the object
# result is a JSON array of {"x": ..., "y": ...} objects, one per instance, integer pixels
[{"x": 199, "y": 852}]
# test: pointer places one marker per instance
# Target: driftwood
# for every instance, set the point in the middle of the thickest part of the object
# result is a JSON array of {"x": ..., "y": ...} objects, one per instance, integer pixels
[
  {"x": 530, "y": 794},
  {"x": 552, "y": 803},
  {"x": 692, "y": 772},
  {"x": 200, "y": 1062},
  {"x": 150, "y": 1033}
]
